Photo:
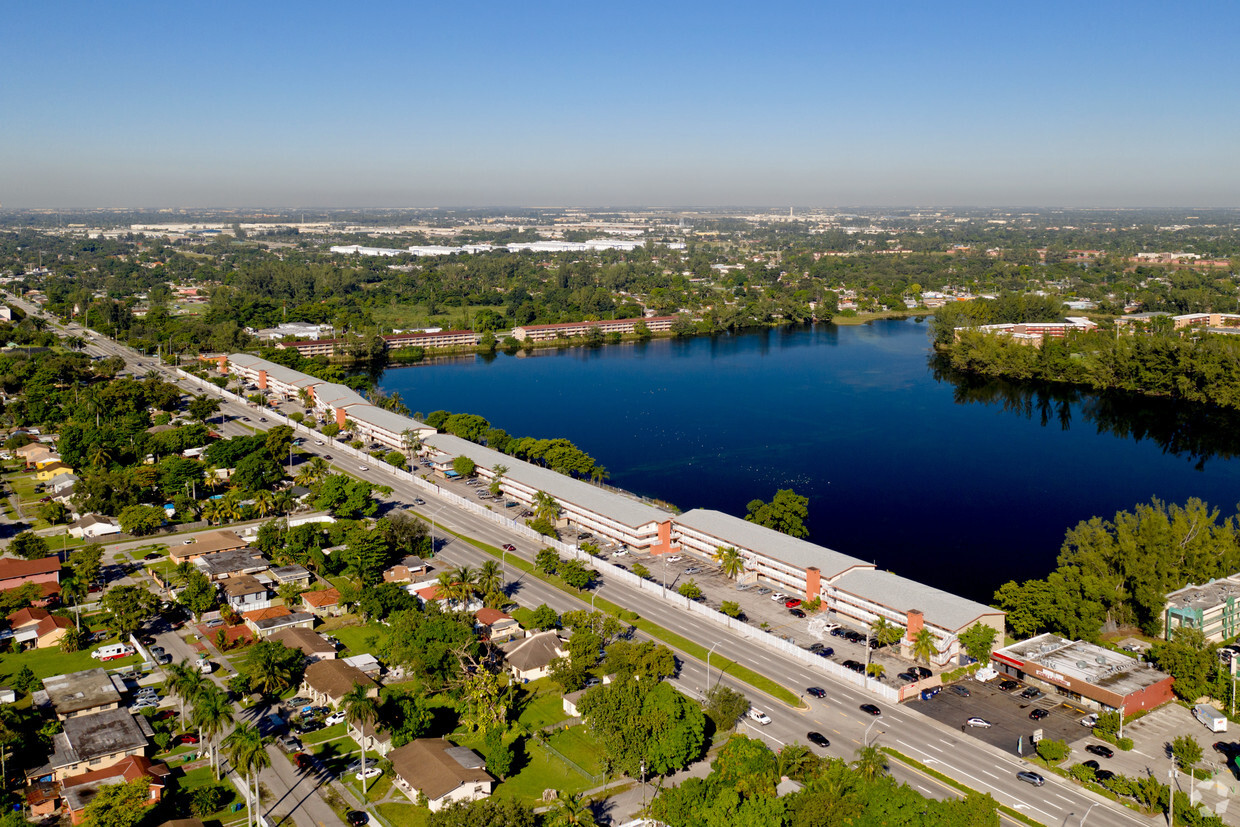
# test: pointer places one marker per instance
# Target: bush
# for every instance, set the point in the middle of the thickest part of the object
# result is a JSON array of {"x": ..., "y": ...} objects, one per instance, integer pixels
[
  {"x": 1124, "y": 743},
  {"x": 1053, "y": 751},
  {"x": 204, "y": 801}
]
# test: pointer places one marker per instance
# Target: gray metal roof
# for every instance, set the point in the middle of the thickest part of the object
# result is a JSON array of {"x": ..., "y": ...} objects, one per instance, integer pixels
[
  {"x": 943, "y": 609},
  {"x": 273, "y": 369},
  {"x": 622, "y": 508},
  {"x": 733, "y": 531},
  {"x": 386, "y": 419},
  {"x": 337, "y": 396}
]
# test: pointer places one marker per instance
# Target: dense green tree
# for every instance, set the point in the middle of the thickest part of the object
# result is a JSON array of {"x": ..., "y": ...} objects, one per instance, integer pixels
[
  {"x": 119, "y": 805},
  {"x": 786, "y": 513},
  {"x": 273, "y": 667},
  {"x": 642, "y": 722},
  {"x": 978, "y": 641},
  {"x": 485, "y": 812},
  {"x": 129, "y": 607},
  {"x": 29, "y": 545},
  {"x": 725, "y": 706},
  {"x": 141, "y": 520}
]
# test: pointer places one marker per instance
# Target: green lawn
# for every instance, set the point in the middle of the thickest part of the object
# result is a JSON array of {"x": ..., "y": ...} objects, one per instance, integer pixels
[
  {"x": 545, "y": 708},
  {"x": 23, "y": 486},
  {"x": 47, "y": 662},
  {"x": 541, "y": 771},
  {"x": 201, "y": 777},
  {"x": 376, "y": 788},
  {"x": 577, "y": 745},
  {"x": 404, "y": 815},
  {"x": 360, "y": 639},
  {"x": 324, "y": 735}
]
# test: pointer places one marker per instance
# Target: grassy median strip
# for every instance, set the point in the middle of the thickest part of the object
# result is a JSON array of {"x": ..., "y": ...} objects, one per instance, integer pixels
[
  {"x": 736, "y": 670},
  {"x": 951, "y": 782}
]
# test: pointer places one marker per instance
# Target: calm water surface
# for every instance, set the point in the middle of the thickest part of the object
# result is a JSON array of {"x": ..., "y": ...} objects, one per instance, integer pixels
[{"x": 959, "y": 484}]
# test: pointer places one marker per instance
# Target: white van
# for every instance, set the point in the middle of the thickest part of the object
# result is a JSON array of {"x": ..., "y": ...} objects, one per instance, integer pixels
[
  {"x": 112, "y": 652},
  {"x": 1214, "y": 720}
]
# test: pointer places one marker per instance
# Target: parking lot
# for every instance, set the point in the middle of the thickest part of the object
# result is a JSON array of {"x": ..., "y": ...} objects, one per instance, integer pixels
[{"x": 1008, "y": 714}]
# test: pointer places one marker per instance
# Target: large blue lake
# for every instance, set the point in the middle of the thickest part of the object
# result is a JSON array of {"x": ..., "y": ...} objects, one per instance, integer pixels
[{"x": 960, "y": 484}]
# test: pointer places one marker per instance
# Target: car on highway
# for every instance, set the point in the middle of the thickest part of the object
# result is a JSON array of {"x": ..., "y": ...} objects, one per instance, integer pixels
[
  {"x": 1008, "y": 686},
  {"x": 368, "y": 773},
  {"x": 419, "y": 501},
  {"x": 1038, "y": 714},
  {"x": 327, "y": 456},
  {"x": 1100, "y": 751},
  {"x": 1031, "y": 778},
  {"x": 816, "y": 692},
  {"x": 817, "y": 739},
  {"x": 962, "y": 691},
  {"x": 796, "y": 613},
  {"x": 509, "y": 547},
  {"x": 792, "y": 603},
  {"x": 318, "y": 442},
  {"x": 262, "y": 419},
  {"x": 979, "y": 722},
  {"x": 871, "y": 709},
  {"x": 759, "y": 716},
  {"x": 362, "y": 468}
]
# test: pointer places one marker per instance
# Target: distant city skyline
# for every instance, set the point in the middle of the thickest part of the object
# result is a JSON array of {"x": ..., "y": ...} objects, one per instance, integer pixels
[{"x": 819, "y": 104}]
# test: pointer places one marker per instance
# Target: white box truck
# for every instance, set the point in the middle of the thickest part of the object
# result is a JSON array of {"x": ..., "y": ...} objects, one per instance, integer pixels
[{"x": 1214, "y": 720}]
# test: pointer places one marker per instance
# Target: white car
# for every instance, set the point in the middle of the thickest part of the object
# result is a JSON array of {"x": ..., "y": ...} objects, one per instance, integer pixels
[
  {"x": 978, "y": 722},
  {"x": 619, "y": 553},
  {"x": 779, "y": 596},
  {"x": 318, "y": 442},
  {"x": 371, "y": 772},
  {"x": 334, "y": 718},
  {"x": 675, "y": 558},
  {"x": 759, "y": 716},
  {"x": 363, "y": 467},
  {"x": 1090, "y": 721}
]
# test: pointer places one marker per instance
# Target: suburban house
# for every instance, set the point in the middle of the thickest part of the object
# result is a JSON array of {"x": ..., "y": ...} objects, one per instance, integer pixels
[
  {"x": 77, "y": 694},
  {"x": 441, "y": 772},
  {"x": 245, "y": 594},
  {"x": 91, "y": 742},
  {"x": 327, "y": 681},
  {"x": 78, "y": 790},
  {"x": 209, "y": 542},
  {"x": 379, "y": 741},
  {"x": 228, "y": 563},
  {"x": 291, "y": 575},
  {"x": 264, "y": 622},
  {"x": 313, "y": 645},
  {"x": 35, "y": 453},
  {"x": 38, "y": 627},
  {"x": 407, "y": 570},
  {"x": 323, "y": 603},
  {"x": 90, "y": 526},
  {"x": 15, "y": 572},
  {"x": 529, "y": 658},
  {"x": 52, "y": 470},
  {"x": 496, "y": 626},
  {"x": 570, "y": 701}
]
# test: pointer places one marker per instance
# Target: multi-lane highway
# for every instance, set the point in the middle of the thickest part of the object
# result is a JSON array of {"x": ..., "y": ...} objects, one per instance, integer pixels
[{"x": 837, "y": 715}]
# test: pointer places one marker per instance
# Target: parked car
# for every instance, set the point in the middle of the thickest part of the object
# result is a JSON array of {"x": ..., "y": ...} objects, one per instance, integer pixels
[
  {"x": 305, "y": 727},
  {"x": 1031, "y": 693},
  {"x": 962, "y": 691},
  {"x": 792, "y": 603},
  {"x": 304, "y": 762},
  {"x": 157, "y": 650},
  {"x": 357, "y": 818},
  {"x": 779, "y": 597},
  {"x": 1031, "y": 778},
  {"x": 908, "y": 676},
  {"x": 187, "y": 738},
  {"x": 816, "y": 692},
  {"x": 333, "y": 719},
  {"x": 164, "y": 659},
  {"x": 871, "y": 709},
  {"x": 1008, "y": 686},
  {"x": 978, "y": 722},
  {"x": 1038, "y": 714},
  {"x": 146, "y": 640},
  {"x": 368, "y": 773},
  {"x": 764, "y": 590},
  {"x": 921, "y": 670},
  {"x": 818, "y": 739},
  {"x": 1100, "y": 751},
  {"x": 1090, "y": 720},
  {"x": 759, "y": 716},
  {"x": 675, "y": 558},
  {"x": 796, "y": 613},
  {"x": 289, "y": 743},
  {"x": 826, "y": 652}
]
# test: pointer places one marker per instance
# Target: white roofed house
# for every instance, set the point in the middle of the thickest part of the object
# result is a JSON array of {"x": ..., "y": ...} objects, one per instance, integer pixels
[{"x": 529, "y": 658}]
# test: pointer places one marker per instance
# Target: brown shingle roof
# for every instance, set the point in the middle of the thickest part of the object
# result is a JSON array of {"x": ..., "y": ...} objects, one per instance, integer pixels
[
  {"x": 208, "y": 543},
  {"x": 11, "y": 567},
  {"x": 319, "y": 599},
  {"x": 239, "y": 585},
  {"x": 425, "y": 764},
  {"x": 27, "y": 617},
  {"x": 334, "y": 678},
  {"x": 308, "y": 641}
]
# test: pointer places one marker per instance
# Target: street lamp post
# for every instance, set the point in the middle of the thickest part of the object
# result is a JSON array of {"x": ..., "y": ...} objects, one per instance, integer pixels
[
  {"x": 1087, "y": 812},
  {"x": 864, "y": 739},
  {"x": 434, "y": 517},
  {"x": 708, "y": 654}
]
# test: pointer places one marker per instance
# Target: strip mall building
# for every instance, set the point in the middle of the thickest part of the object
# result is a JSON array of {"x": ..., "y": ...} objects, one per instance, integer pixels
[{"x": 847, "y": 585}]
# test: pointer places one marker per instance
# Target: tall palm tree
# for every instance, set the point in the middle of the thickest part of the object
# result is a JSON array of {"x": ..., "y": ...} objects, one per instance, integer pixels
[
  {"x": 264, "y": 503},
  {"x": 282, "y": 502},
  {"x": 489, "y": 580},
  {"x": 546, "y": 507},
  {"x": 924, "y": 646},
  {"x": 247, "y": 752},
  {"x": 360, "y": 710},
  {"x": 457, "y": 586},
  {"x": 269, "y": 672},
  {"x": 230, "y": 508},
  {"x": 796, "y": 761},
  {"x": 497, "y": 478},
  {"x": 571, "y": 811},
  {"x": 185, "y": 682},
  {"x": 211, "y": 512},
  {"x": 598, "y": 473},
  {"x": 100, "y": 456},
  {"x": 870, "y": 763},
  {"x": 884, "y": 631},
  {"x": 730, "y": 561},
  {"x": 312, "y": 472},
  {"x": 212, "y": 713},
  {"x": 181, "y": 573}
]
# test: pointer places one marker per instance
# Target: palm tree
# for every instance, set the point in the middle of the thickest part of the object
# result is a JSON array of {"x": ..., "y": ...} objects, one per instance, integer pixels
[
  {"x": 269, "y": 673},
  {"x": 313, "y": 471},
  {"x": 571, "y": 811},
  {"x": 598, "y": 473},
  {"x": 360, "y": 710},
  {"x": 458, "y": 586},
  {"x": 497, "y": 478},
  {"x": 100, "y": 456},
  {"x": 185, "y": 682},
  {"x": 795, "y": 761},
  {"x": 247, "y": 752},
  {"x": 264, "y": 503},
  {"x": 282, "y": 502},
  {"x": 884, "y": 631},
  {"x": 412, "y": 441},
  {"x": 870, "y": 763},
  {"x": 546, "y": 507},
  {"x": 211, "y": 512},
  {"x": 181, "y": 573},
  {"x": 212, "y": 712},
  {"x": 730, "y": 561},
  {"x": 229, "y": 509},
  {"x": 924, "y": 645}
]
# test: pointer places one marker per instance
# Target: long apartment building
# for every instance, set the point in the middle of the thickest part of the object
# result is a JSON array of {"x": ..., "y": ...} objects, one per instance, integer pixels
[
  {"x": 1214, "y": 322},
  {"x": 544, "y": 332},
  {"x": 1034, "y": 333}
]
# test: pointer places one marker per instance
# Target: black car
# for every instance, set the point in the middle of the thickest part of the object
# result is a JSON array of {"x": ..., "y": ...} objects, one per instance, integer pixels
[
  {"x": 1100, "y": 751},
  {"x": 1104, "y": 775},
  {"x": 826, "y": 652},
  {"x": 796, "y": 613},
  {"x": 1008, "y": 686},
  {"x": 357, "y": 818},
  {"x": 838, "y": 632},
  {"x": 921, "y": 670},
  {"x": 816, "y": 647},
  {"x": 1038, "y": 714},
  {"x": 1093, "y": 765},
  {"x": 854, "y": 666},
  {"x": 871, "y": 709},
  {"x": 854, "y": 637},
  {"x": 146, "y": 640},
  {"x": 962, "y": 691},
  {"x": 1031, "y": 693},
  {"x": 907, "y": 676},
  {"x": 818, "y": 739},
  {"x": 816, "y": 691}
]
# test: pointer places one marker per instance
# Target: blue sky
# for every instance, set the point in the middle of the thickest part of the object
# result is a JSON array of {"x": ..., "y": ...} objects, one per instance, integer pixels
[{"x": 692, "y": 103}]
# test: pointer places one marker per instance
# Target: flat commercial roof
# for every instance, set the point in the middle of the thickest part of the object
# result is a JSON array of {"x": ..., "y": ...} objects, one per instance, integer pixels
[
  {"x": 1085, "y": 662},
  {"x": 99, "y": 735},
  {"x": 622, "y": 508},
  {"x": 1205, "y": 596},
  {"x": 387, "y": 420},
  {"x": 734, "y": 531},
  {"x": 940, "y": 608},
  {"x": 337, "y": 396}
]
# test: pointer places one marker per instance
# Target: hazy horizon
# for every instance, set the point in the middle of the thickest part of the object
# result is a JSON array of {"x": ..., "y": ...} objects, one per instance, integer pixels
[{"x": 710, "y": 105}]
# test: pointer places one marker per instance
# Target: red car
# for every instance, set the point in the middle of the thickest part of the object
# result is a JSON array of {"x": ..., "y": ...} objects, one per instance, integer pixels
[
  {"x": 165, "y": 715},
  {"x": 509, "y": 547},
  {"x": 186, "y": 739},
  {"x": 304, "y": 762},
  {"x": 792, "y": 603}
]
